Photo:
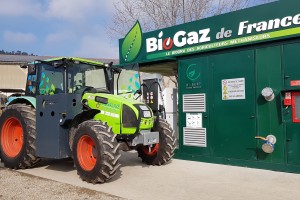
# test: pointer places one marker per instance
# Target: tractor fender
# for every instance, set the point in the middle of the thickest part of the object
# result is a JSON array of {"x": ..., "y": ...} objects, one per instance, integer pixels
[
  {"x": 78, "y": 119},
  {"x": 22, "y": 99},
  {"x": 83, "y": 116}
]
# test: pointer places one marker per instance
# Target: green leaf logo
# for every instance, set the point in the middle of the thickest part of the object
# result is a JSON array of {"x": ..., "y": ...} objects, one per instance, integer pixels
[
  {"x": 193, "y": 72},
  {"x": 132, "y": 43}
]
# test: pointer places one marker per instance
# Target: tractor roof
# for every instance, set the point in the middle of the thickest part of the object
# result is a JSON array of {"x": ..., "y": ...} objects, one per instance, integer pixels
[{"x": 77, "y": 59}]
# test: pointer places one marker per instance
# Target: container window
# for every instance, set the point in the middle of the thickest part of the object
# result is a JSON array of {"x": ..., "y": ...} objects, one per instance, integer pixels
[{"x": 296, "y": 106}]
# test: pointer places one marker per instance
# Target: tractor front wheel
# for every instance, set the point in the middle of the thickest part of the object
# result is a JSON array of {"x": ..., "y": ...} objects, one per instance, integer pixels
[
  {"x": 17, "y": 136},
  {"x": 95, "y": 152},
  {"x": 162, "y": 152}
]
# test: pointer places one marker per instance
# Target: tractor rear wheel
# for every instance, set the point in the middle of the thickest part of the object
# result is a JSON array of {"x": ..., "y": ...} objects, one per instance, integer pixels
[
  {"x": 162, "y": 152},
  {"x": 95, "y": 152},
  {"x": 17, "y": 136}
]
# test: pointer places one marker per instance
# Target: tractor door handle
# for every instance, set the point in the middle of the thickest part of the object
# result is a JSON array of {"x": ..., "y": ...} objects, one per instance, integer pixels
[
  {"x": 252, "y": 117},
  {"x": 288, "y": 139}
]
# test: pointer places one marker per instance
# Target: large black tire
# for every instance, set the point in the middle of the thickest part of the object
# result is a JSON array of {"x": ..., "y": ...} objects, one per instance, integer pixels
[
  {"x": 160, "y": 153},
  {"x": 95, "y": 152},
  {"x": 17, "y": 136}
]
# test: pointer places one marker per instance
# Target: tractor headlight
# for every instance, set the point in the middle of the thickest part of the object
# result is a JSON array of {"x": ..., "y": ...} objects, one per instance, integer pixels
[
  {"x": 147, "y": 114},
  {"x": 145, "y": 111},
  {"x": 129, "y": 118},
  {"x": 143, "y": 107}
]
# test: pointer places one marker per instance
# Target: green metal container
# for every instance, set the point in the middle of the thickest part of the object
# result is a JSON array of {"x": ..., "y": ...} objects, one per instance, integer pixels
[{"x": 225, "y": 66}]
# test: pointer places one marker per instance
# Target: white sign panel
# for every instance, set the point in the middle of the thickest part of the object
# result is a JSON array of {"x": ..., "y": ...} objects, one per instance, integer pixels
[
  {"x": 233, "y": 89},
  {"x": 194, "y": 120}
]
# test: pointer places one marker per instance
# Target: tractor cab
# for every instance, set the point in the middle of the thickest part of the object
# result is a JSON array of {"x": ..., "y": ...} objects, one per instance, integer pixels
[{"x": 69, "y": 76}]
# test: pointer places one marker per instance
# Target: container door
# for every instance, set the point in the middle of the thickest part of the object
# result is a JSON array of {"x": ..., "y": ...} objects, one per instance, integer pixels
[
  {"x": 233, "y": 106},
  {"x": 193, "y": 108},
  {"x": 291, "y": 67}
]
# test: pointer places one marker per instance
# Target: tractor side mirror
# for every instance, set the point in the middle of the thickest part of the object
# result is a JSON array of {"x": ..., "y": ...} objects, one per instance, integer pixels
[
  {"x": 31, "y": 69},
  {"x": 116, "y": 70},
  {"x": 138, "y": 92}
]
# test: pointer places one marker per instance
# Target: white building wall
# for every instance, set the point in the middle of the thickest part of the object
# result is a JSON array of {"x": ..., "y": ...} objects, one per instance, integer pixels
[{"x": 12, "y": 77}]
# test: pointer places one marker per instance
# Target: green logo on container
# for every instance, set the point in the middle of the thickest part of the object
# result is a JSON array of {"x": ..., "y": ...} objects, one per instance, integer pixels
[
  {"x": 192, "y": 72},
  {"x": 132, "y": 43}
]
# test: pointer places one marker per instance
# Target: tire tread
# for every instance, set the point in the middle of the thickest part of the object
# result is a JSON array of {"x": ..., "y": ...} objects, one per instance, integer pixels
[
  {"x": 167, "y": 146},
  {"x": 110, "y": 154},
  {"x": 28, "y": 158}
]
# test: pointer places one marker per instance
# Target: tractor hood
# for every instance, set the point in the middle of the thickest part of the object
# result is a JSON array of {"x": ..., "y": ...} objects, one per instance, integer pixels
[
  {"x": 110, "y": 98},
  {"x": 128, "y": 114}
]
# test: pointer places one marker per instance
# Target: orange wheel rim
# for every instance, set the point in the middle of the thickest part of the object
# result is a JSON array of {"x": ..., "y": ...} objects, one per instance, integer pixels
[
  {"x": 12, "y": 137},
  {"x": 86, "y": 153},
  {"x": 153, "y": 149}
]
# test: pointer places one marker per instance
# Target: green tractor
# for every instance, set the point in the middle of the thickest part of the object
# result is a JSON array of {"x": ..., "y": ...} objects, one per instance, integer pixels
[{"x": 78, "y": 108}]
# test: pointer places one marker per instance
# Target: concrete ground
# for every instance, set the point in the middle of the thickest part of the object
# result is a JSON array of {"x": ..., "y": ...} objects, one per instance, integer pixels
[{"x": 181, "y": 180}]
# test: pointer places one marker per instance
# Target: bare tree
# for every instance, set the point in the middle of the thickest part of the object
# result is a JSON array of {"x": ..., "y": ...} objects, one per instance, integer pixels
[{"x": 156, "y": 14}]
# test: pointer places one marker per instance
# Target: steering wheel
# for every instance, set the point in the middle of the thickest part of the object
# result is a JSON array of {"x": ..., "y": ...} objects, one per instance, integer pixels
[
  {"x": 58, "y": 91},
  {"x": 78, "y": 87},
  {"x": 83, "y": 89}
]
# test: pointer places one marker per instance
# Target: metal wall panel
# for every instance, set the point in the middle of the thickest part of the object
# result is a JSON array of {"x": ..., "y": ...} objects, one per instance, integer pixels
[{"x": 12, "y": 77}]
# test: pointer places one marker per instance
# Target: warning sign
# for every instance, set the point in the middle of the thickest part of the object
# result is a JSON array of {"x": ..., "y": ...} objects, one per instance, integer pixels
[
  {"x": 233, "y": 89},
  {"x": 150, "y": 96}
]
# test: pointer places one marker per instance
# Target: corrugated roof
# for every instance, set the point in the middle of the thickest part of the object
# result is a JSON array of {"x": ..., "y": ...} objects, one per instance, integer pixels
[{"x": 19, "y": 59}]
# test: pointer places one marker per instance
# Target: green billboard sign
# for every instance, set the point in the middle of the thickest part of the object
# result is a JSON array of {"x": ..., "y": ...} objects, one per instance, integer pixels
[{"x": 263, "y": 23}]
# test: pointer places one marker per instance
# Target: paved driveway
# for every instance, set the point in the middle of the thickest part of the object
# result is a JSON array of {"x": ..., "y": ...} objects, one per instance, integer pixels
[{"x": 182, "y": 180}]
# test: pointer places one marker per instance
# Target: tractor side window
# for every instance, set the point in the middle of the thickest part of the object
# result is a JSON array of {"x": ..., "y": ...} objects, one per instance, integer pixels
[
  {"x": 51, "y": 80},
  {"x": 128, "y": 81},
  {"x": 75, "y": 80},
  {"x": 95, "y": 78},
  {"x": 81, "y": 76}
]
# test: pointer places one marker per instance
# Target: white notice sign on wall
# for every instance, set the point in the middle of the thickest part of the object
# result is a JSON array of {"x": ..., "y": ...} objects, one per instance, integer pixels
[
  {"x": 233, "y": 89},
  {"x": 194, "y": 120}
]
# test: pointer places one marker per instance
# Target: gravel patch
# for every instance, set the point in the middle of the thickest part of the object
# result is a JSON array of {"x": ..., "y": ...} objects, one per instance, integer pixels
[{"x": 17, "y": 185}]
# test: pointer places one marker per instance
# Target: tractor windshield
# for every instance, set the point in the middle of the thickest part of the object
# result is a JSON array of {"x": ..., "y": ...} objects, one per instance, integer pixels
[
  {"x": 128, "y": 81},
  {"x": 82, "y": 76}
]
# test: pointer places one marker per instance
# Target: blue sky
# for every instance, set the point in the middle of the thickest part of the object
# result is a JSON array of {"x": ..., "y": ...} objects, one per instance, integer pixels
[{"x": 58, "y": 27}]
